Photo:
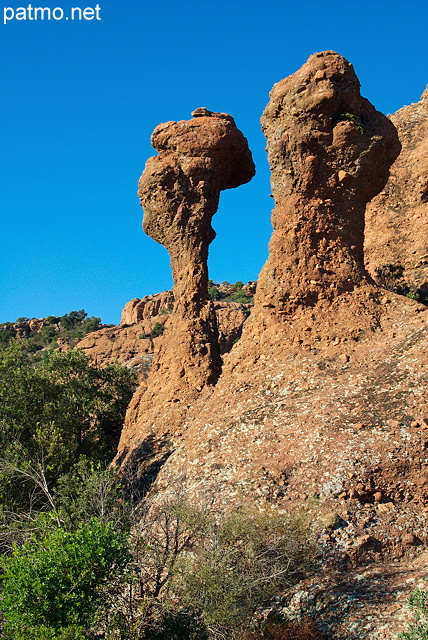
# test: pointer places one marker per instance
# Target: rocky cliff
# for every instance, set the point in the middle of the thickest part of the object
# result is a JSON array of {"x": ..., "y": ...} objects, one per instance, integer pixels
[
  {"x": 133, "y": 341},
  {"x": 322, "y": 403},
  {"x": 397, "y": 219}
]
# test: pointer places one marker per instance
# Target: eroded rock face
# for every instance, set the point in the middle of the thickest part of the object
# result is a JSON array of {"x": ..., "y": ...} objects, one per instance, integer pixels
[
  {"x": 397, "y": 219},
  {"x": 330, "y": 153},
  {"x": 180, "y": 189},
  {"x": 179, "y": 192},
  {"x": 322, "y": 404},
  {"x": 144, "y": 309},
  {"x": 132, "y": 342},
  {"x": 322, "y": 398}
]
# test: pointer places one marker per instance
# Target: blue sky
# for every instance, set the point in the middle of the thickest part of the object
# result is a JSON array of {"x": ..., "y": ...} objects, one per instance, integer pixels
[{"x": 80, "y": 100}]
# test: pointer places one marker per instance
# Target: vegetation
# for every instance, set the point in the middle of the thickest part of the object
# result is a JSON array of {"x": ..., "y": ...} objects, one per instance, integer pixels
[
  {"x": 54, "y": 584},
  {"x": 391, "y": 277},
  {"x": 418, "y": 602},
  {"x": 157, "y": 330},
  {"x": 55, "y": 413},
  {"x": 70, "y": 327},
  {"x": 350, "y": 117},
  {"x": 83, "y": 558},
  {"x": 228, "y": 292}
]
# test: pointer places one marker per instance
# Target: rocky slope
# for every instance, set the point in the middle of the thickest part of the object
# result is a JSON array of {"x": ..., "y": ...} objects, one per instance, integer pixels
[
  {"x": 323, "y": 401},
  {"x": 397, "y": 219}
]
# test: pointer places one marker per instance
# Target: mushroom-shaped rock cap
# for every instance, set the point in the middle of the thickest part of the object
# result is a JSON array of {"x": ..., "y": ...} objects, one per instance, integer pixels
[
  {"x": 180, "y": 187},
  {"x": 209, "y": 135}
]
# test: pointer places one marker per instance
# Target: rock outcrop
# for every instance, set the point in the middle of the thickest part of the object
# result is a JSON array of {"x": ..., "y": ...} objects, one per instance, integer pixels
[
  {"x": 322, "y": 404},
  {"x": 330, "y": 153},
  {"x": 397, "y": 219},
  {"x": 323, "y": 397},
  {"x": 179, "y": 192},
  {"x": 133, "y": 341},
  {"x": 145, "y": 309}
]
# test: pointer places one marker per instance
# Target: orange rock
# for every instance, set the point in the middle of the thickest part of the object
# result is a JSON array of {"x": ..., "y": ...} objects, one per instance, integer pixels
[
  {"x": 179, "y": 192},
  {"x": 397, "y": 219}
]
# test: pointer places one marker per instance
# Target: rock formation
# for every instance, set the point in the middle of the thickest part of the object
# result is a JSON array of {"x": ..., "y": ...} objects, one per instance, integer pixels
[
  {"x": 397, "y": 219},
  {"x": 131, "y": 343},
  {"x": 145, "y": 309},
  {"x": 179, "y": 192},
  {"x": 323, "y": 396},
  {"x": 323, "y": 402},
  {"x": 330, "y": 153}
]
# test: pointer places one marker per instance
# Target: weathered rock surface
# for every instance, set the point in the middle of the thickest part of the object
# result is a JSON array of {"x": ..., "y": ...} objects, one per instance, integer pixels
[
  {"x": 124, "y": 344},
  {"x": 179, "y": 192},
  {"x": 144, "y": 309},
  {"x": 323, "y": 397},
  {"x": 323, "y": 401},
  {"x": 130, "y": 343},
  {"x": 397, "y": 219}
]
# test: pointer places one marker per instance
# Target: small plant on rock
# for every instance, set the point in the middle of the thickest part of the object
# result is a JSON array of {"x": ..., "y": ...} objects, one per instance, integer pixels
[{"x": 418, "y": 630}]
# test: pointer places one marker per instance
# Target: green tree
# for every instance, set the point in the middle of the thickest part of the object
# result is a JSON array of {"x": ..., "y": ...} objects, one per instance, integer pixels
[
  {"x": 7, "y": 332},
  {"x": 58, "y": 411},
  {"x": 70, "y": 320}
]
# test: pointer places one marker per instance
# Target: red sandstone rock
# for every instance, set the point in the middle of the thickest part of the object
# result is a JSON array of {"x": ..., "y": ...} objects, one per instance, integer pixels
[
  {"x": 139, "y": 310},
  {"x": 283, "y": 423},
  {"x": 179, "y": 191},
  {"x": 130, "y": 342},
  {"x": 293, "y": 422},
  {"x": 397, "y": 219}
]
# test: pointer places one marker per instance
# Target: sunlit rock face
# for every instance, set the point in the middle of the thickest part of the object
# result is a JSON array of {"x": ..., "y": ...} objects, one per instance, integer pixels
[{"x": 179, "y": 192}]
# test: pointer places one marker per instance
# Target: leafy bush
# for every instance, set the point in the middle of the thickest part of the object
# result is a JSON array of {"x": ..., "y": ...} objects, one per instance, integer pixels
[
  {"x": 53, "y": 584},
  {"x": 213, "y": 292},
  {"x": 350, "y": 117},
  {"x": 418, "y": 602},
  {"x": 239, "y": 296},
  {"x": 157, "y": 330},
  {"x": 7, "y": 333},
  {"x": 89, "y": 490}
]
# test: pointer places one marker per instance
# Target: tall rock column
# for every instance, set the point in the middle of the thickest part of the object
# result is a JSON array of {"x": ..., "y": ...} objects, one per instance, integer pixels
[
  {"x": 179, "y": 192},
  {"x": 330, "y": 153}
]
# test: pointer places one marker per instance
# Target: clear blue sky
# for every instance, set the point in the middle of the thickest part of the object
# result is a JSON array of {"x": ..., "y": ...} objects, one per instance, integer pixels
[{"x": 80, "y": 100}]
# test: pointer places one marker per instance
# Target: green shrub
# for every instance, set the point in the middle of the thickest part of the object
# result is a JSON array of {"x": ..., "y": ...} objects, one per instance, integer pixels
[
  {"x": 53, "y": 584},
  {"x": 157, "y": 330},
  {"x": 64, "y": 408},
  {"x": 213, "y": 292},
  {"x": 7, "y": 332},
  {"x": 240, "y": 297},
  {"x": 418, "y": 602},
  {"x": 350, "y": 117}
]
